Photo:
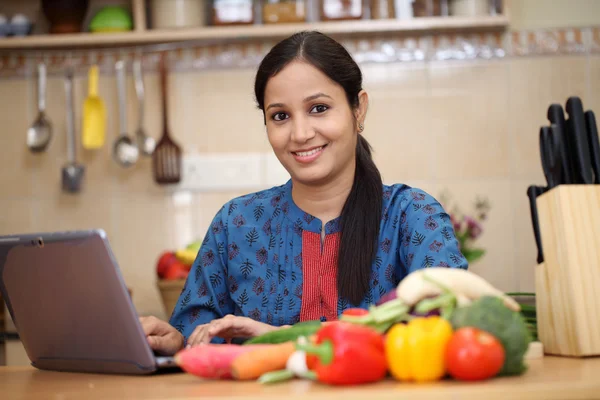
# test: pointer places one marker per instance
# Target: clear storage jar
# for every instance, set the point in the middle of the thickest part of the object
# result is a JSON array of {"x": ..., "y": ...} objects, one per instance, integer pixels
[
  {"x": 232, "y": 12},
  {"x": 284, "y": 11},
  {"x": 332, "y": 10}
]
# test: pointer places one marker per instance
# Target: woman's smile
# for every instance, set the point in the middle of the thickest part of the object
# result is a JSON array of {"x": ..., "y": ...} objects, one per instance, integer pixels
[{"x": 306, "y": 156}]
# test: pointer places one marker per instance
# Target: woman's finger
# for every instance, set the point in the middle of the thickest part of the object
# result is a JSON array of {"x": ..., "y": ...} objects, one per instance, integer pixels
[
  {"x": 192, "y": 340},
  {"x": 219, "y": 328}
]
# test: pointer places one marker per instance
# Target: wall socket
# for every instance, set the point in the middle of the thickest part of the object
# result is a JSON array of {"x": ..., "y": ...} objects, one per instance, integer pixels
[{"x": 221, "y": 172}]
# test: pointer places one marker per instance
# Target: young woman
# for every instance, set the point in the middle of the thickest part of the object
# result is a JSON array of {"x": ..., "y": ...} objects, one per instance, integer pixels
[{"x": 334, "y": 236}]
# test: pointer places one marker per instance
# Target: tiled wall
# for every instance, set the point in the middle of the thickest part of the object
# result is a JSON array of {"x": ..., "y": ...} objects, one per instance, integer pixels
[{"x": 469, "y": 127}]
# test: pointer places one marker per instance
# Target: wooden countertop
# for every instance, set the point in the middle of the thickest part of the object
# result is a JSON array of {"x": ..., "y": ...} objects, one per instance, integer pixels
[{"x": 547, "y": 378}]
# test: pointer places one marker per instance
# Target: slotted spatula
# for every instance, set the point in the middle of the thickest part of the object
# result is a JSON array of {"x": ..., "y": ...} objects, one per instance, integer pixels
[{"x": 166, "y": 160}]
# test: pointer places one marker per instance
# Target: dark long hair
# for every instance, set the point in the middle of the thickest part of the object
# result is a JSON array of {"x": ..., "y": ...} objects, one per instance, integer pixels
[{"x": 361, "y": 214}]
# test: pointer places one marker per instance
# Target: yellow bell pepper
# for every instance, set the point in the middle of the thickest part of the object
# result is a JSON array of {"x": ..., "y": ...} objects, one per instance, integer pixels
[{"x": 416, "y": 351}]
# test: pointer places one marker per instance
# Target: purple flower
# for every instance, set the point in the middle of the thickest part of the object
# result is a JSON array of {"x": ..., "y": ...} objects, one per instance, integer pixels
[
  {"x": 474, "y": 228},
  {"x": 456, "y": 223}
]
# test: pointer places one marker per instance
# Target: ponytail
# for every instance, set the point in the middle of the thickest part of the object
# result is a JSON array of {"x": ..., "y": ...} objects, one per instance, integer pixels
[{"x": 360, "y": 220}]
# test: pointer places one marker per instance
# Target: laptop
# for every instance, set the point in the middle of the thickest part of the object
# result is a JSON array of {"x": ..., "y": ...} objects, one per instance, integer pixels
[{"x": 71, "y": 307}]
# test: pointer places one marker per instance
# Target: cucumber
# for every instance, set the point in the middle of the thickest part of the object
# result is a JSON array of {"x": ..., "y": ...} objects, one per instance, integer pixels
[{"x": 305, "y": 328}]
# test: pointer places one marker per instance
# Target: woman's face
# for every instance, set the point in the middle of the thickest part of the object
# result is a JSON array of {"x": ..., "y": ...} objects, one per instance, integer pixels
[{"x": 310, "y": 125}]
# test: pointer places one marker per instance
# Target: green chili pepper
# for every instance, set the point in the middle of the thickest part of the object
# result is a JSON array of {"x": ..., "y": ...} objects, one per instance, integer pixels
[{"x": 305, "y": 328}]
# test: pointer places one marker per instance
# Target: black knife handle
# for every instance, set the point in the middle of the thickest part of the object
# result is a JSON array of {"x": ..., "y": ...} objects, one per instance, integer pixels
[
  {"x": 556, "y": 116},
  {"x": 581, "y": 154},
  {"x": 592, "y": 130},
  {"x": 532, "y": 193},
  {"x": 545, "y": 154}
]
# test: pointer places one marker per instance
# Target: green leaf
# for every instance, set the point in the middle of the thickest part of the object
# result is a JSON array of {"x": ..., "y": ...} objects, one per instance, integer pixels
[{"x": 473, "y": 255}]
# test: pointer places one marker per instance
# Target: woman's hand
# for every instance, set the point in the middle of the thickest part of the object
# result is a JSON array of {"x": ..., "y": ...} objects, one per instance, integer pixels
[
  {"x": 163, "y": 338},
  {"x": 228, "y": 327}
]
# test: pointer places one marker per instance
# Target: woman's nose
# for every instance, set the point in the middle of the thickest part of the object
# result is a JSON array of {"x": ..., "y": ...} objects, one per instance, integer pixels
[{"x": 302, "y": 131}]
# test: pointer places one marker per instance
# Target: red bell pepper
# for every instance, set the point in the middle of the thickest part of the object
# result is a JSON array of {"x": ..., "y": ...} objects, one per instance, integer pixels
[
  {"x": 355, "y": 312},
  {"x": 346, "y": 354}
]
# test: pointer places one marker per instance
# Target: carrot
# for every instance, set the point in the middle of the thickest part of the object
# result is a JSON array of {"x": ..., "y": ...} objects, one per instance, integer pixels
[
  {"x": 212, "y": 361},
  {"x": 253, "y": 364}
]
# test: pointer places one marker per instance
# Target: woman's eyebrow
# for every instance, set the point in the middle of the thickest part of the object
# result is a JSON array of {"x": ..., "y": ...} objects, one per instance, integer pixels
[
  {"x": 306, "y": 100},
  {"x": 316, "y": 96}
]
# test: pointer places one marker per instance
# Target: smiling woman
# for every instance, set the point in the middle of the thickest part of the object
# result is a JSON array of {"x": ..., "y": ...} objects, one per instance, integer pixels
[{"x": 333, "y": 237}]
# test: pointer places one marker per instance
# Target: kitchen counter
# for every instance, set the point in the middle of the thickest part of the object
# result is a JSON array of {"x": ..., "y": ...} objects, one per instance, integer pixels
[{"x": 547, "y": 378}]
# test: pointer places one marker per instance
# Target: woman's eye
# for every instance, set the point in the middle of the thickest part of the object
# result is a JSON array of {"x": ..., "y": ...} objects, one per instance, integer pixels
[
  {"x": 319, "y": 108},
  {"x": 280, "y": 116}
]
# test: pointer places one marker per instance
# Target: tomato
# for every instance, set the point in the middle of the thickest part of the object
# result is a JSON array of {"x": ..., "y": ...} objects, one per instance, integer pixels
[
  {"x": 356, "y": 312},
  {"x": 473, "y": 354}
]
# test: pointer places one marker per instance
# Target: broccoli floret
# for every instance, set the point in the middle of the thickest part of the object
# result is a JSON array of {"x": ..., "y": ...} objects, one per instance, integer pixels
[{"x": 491, "y": 315}]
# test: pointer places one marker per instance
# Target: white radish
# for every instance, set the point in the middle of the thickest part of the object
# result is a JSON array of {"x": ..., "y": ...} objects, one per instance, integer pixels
[{"x": 429, "y": 282}]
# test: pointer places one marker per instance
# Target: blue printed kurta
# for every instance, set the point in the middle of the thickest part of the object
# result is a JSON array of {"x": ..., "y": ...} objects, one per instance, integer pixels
[{"x": 251, "y": 261}]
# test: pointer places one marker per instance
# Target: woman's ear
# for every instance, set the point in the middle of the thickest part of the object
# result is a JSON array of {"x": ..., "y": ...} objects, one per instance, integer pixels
[{"x": 363, "y": 105}]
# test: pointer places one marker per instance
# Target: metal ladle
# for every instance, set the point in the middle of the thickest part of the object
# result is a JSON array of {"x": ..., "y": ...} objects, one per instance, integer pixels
[
  {"x": 72, "y": 172},
  {"x": 125, "y": 151},
  {"x": 39, "y": 133},
  {"x": 145, "y": 143}
]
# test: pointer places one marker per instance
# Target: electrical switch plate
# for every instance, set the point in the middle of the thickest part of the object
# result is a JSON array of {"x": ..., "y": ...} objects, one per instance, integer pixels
[{"x": 221, "y": 171}]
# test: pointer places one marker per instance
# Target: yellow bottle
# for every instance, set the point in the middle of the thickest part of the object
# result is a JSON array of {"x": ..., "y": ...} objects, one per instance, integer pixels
[{"x": 94, "y": 114}]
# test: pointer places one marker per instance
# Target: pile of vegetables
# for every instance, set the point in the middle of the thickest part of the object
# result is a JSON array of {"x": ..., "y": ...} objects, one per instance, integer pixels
[{"x": 438, "y": 323}]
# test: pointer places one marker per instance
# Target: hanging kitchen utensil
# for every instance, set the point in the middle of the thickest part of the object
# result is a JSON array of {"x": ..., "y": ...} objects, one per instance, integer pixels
[
  {"x": 581, "y": 150},
  {"x": 592, "y": 131},
  {"x": 72, "y": 172},
  {"x": 94, "y": 114},
  {"x": 550, "y": 144},
  {"x": 145, "y": 143},
  {"x": 125, "y": 151},
  {"x": 40, "y": 132},
  {"x": 166, "y": 160},
  {"x": 556, "y": 116}
]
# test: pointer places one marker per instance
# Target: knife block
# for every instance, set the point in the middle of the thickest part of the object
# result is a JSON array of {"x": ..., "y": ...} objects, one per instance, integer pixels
[{"x": 568, "y": 281}]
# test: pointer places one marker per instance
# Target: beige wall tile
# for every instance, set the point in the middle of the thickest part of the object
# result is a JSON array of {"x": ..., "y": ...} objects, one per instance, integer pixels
[
  {"x": 593, "y": 101},
  {"x": 497, "y": 265},
  {"x": 398, "y": 79},
  {"x": 470, "y": 136},
  {"x": 17, "y": 162},
  {"x": 399, "y": 130},
  {"x": 535, "y": 83},
  {"x": 525, "y": 249},
  {"x": 17, "y": 215},
  {"x": 62, "y": 211},
  {"x": 143, "y": 228},
  {"x": 473, "y": 77},
  {"x": 215, "y": 112},
  {"x": 468, "y": 120}
]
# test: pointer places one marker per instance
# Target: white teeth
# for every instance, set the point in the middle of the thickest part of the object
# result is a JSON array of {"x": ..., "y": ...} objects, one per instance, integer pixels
[{"x": 309, "y": 153}]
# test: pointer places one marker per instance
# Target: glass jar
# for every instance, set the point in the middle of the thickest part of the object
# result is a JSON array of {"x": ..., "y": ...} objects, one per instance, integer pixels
[
  {"x": 177, "y": 13},
  {"x": 232, "y": 12},
  {"x": 430, "y": 8},
  {"x": 382, "y": 9},
  {"x": 332, "y": 10},
  {"x": 470, "y": 8},
  {"x": 284, "y": 11}
]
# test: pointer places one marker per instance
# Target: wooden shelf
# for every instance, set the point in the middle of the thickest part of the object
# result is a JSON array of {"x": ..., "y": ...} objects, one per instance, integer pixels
[{"x": 241, "y": 33}]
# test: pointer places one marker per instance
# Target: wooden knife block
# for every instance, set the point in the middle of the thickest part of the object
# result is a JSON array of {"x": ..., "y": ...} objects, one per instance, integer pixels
[{"x": 568, "y": 281}]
